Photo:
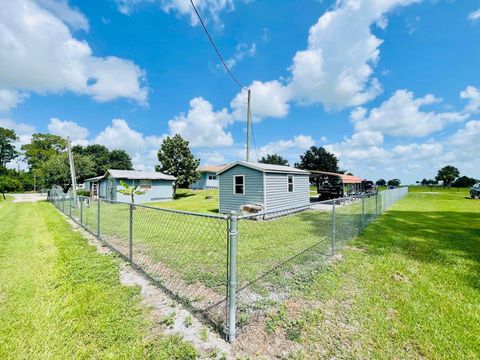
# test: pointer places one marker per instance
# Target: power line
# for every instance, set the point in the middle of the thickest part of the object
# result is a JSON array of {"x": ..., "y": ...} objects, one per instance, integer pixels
[{"x": 215, "y": 47}]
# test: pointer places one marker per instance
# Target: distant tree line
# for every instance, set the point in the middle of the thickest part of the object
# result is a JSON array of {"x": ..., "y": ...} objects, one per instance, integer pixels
[{"x": 47, "y": 160}]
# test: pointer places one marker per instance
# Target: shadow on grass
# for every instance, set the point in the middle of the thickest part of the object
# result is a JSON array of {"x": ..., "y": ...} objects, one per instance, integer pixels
[
  {"x": 183, "y": 195},
  {"x": 443, "y": 238}
]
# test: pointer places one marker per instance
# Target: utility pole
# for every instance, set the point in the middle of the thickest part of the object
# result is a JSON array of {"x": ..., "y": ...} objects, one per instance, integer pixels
[
  {"x": 248, "y": 125},
  {"x": 72, "y": 171}
]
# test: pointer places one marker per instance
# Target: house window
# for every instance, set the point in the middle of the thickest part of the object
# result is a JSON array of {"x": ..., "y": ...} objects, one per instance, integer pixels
[
  {"x": 239, "y": 184},
  {"x": 212, "y": 177},
  {"x": 290, "y": 183},
  {"x": 145, "y": 184}
]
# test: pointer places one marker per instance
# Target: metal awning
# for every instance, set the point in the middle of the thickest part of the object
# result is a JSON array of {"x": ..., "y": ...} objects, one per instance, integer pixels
[{"x": 346, "y": 179}]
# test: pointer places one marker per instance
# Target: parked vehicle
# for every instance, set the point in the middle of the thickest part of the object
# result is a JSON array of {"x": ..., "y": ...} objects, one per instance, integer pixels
[{"x": 475, "y": 191}]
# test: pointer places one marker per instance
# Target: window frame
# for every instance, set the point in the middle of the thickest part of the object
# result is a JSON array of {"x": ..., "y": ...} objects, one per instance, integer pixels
[
  {"x": 143, "y": 187},
  {"x": 288, "y": 183},
  {"x": 235, "y": 184}
]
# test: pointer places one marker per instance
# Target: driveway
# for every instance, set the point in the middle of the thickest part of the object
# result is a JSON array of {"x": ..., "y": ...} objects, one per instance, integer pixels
[{"x": 30, "y": 197}]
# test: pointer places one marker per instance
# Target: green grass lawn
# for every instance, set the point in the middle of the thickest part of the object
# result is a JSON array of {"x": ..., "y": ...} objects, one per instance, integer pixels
[
  {"x": 203, "y": 201},
  {"x": 409, "y": 287},
  {"x": 60, "y": 299}
]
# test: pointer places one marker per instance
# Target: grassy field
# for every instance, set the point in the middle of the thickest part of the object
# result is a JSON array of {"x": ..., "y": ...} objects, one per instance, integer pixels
[
  {"x": 409, "y": 287},
  {"x": 60, "y": 299}
]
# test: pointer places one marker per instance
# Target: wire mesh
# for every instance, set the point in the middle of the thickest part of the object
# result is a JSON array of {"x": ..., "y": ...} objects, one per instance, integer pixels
[
  {"x": 187, "y": 253},
  {"x": 275, "y": 251}
]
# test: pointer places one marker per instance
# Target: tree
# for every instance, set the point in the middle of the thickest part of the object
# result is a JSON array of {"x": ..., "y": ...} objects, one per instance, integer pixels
[
  {"x": 120, "y": 160},
  {"x": 7, "y": 147},
  {"x": 105, "y": 159},
  {"x": 394, "y": 182},
  {"x": 273, "y": 159},
  {"x": 176, "y": 159},
  {"x": 8, "y": 183},
  {"x": 56, "y": 171},
  {"x": 42, "y": 148},
  {"x": 447, "y": 174},
  {"x": 381, "y": 182},
  {"x": 464, "y": 181},
  {"x": 317, "y": 158},
  {"x": 130, "y": 190}
]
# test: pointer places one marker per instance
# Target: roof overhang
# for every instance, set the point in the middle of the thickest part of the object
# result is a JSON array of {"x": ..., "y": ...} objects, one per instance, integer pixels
[{"x": 346, "y": 179}]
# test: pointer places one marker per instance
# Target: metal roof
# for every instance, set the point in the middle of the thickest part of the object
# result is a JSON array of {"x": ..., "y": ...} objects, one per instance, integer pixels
[
  {"x": 134, "y": 175},
  {"x": 139, "y": 175},
  {"x": 211, "y": 168},
  {"x": 266, "y": 168},
  {"x": 94, "y": 179},
  {"x": 346, "y": 179}
]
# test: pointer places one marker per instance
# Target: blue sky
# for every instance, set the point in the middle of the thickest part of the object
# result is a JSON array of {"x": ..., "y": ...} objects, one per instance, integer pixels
[{"x": 390, "y": 86}]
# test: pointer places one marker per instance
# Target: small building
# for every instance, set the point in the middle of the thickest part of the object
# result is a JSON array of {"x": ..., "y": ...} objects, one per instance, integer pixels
[
  {"x": 156, "y": 186},
  {"x": 334, "y": 185},
  {"x": 267, "y": 187},
  {"x": 208, "y": 177}
]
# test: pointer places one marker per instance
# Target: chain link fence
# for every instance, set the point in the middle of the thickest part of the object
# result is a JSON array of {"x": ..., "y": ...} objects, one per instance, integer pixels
[{"x": 227, "y": 269}]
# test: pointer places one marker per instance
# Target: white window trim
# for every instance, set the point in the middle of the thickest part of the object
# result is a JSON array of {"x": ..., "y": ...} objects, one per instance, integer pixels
[
  {"x": 293, "y": 183},
  {"x": 148, "y": 187},
  {"x": 234, "y": 185}
]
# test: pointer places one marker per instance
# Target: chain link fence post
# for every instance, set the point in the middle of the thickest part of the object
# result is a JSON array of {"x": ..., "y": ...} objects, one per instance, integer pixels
[
  {"x": 81, "y": 212},
  {"x": 363, "y": 212},
  {"x": 98, "y": 218},
  {"x": 130, "y": 242},
  {"x": 70, "y": 206},
  {"x": 334, "y": 228},
  {"x": 376, "y": 205},
  {"x": 232, "y": 276},
  {"x": 63, "y": 203}
]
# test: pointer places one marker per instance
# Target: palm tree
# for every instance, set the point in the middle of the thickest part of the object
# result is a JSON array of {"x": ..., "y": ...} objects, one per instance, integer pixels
[{"x": 130, "y": 190}]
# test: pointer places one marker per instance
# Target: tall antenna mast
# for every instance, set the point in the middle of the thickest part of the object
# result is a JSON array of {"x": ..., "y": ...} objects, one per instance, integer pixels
[
  {"x": 248, "y": 125},
  {"x": 72, "y": 171}
]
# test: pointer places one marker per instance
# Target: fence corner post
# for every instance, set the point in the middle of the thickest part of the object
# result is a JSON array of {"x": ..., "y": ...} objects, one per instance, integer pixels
[
  {"x": 376, "y": 204},
  {"x": 334, "y": 228},
  {"x": 232, "y": 277},
  {"x": 130, "y": 242}
]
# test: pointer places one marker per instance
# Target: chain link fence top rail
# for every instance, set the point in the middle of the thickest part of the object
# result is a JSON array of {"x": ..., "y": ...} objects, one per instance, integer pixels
[{"x": 190, "y": 255}]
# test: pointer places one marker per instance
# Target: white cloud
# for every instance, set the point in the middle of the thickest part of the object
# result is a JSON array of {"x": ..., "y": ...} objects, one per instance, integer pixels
[
  {"x": 39, "y": 54},
  {"x": 472, "y": 94},
  {"x": 120, "y": 136},
  {"x": 474, "y": 15},
  {"x": 64, "y": 12},
  {"x": 202, "y": 126},
  {"x": 268, "y": 99},
  {"x": 10, "y": 99},
  {"x": 465, "y": 145},
  {"x": 242, "y": 51},
  {"x": 77, "y": 133},
  {"x": 299, "y": 142},
  {"x": 209, "y": 9},
  {"x": 143, "y": 149},
  {"x": 212, "y": 158},
  {"x": 337, "y": 67},
  {"x": 400, "y": 115},
  {"x": 418, "y": 152}
]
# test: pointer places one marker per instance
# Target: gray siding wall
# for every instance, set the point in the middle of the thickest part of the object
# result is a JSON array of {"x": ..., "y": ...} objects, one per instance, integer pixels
[
  {"x": 277, "y": 194},
  {"x": 253, "y": 189},
  {"x": 201, "y": 183},
  {"x": 162, "y": 190}
]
